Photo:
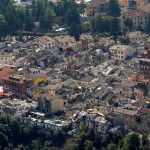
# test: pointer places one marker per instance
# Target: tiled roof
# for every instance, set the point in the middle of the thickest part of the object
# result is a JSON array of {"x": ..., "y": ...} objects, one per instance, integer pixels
[
  {"x": 120, "y": 47},
  {"x": 14, "y": 77},
  {"x": 45, "y": 39},
  {"x": 5, "y": 70},
  {"x": 144, "y": 111},
  {"x": 135, "y": 13},
  {"x": 97, "y": 2},
  {"x": 64, "y": 38}
]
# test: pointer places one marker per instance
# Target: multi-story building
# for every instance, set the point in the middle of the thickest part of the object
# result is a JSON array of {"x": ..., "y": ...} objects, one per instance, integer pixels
[
  {"x": 46, "y": 43},
  {"x": 136, "y": 37},
  {"x": 84, "y": 42},
  {"x": 91, "y": 119},
  {"x": 7, "y": 58},
  {"x": 47, "y": 124},
  {"x": 121, "y": 52},
  {"x": 139, "y": 18},
  {"x": 96, "y": 6},
  {"x": 16, "y": 83},
  {"x": 50, "y": 103},
  {"x": 139, "y": 5},
  {"x": 66, "y": 42},
  {"x": 6, "y": 70},
  {"x": 144, "y": 65},
  {"x": 136, "y": 119},
  {"x": 143, "y": 5}
]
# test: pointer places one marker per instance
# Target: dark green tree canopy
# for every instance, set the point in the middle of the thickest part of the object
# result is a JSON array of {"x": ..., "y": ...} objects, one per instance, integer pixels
[
  {"x": 113, "y": 8},
  {"x": 3, "y": 27},
  {"x": 20, "y": 18},
  {"x": 128, "y": 23}
]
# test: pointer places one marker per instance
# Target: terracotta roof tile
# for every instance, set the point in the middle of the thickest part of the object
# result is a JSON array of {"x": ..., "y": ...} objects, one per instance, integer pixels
[
  {"x": 45, "y": 39},
  {"x": 97, "y": 2},
  {"x": 144, "y": 111},
  {"x": 5, "y": 70},
  {"x": 135, "y": 13}
]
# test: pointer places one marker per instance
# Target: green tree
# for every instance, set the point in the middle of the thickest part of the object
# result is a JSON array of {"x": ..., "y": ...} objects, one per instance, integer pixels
[
  {"x": 72, "y": 16},
  {"x": 33, "y": 8},
  {"x": 3, "y": 119},
  {"x": 3, "y": 27},
  {"x": 111, "y": 147},
  {"x": 20, "y": 36},
  {"x": 58, "y": 138},
  {"x": 128, "y": 23},
  {"x": 113, "y": 8},
  {"x": 45, "y": 24},
  {"x": 36, "y": 145},
  {"x": 148, "y": 26},
  {"x": 145, "y": 141},
  {"x": 97, "y": 141},
  {"x": 29, "y": 24},
  {"x": 99, "y": 23},
  {"x": 39, "y": 9},
  {"x": 86, "y": 26},
  {"x": 73, "y": 21},
  {"x": 3, "y": 140},
  {"x": 80, "y": 138},
  {"x": 93, "y": 24},
  {"x": 132, "y": 142},
  {"x": 75, "y": 30},
  {"x": 47, "y": 20},
  {"x": 115, "y": 27},
  {"x": 88, "y": 145},
  {"x": 107, "y": 23},
  {"x": 15, "y": 132}
]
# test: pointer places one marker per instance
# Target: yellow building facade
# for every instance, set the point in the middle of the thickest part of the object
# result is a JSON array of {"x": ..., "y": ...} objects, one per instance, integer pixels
[
  {"x": 39, "y": 79},
  {"x": 57, "y": 105},
  {"x": 50, "y": 103}
]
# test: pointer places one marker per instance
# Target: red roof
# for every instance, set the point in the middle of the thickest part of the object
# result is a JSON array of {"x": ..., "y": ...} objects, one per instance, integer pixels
[
  {"x": 135, "y": 13},
  {"x": 45, "y": 39},
  {"x": 5, "y": 70},
  {"x": 144, "y": 111}
]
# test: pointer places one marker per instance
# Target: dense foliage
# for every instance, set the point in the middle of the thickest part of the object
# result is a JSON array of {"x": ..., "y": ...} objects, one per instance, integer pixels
[
  {"x": 45, "y": 16},
  {"x": 110, "y": 24},
  {"x": 88, "y": 140},
  {"x": 65, "y": 13},
  {"x": 14, "y": 18},
  {"x": 14, "y": 135},
  {"x": 113, "y": 8}
]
